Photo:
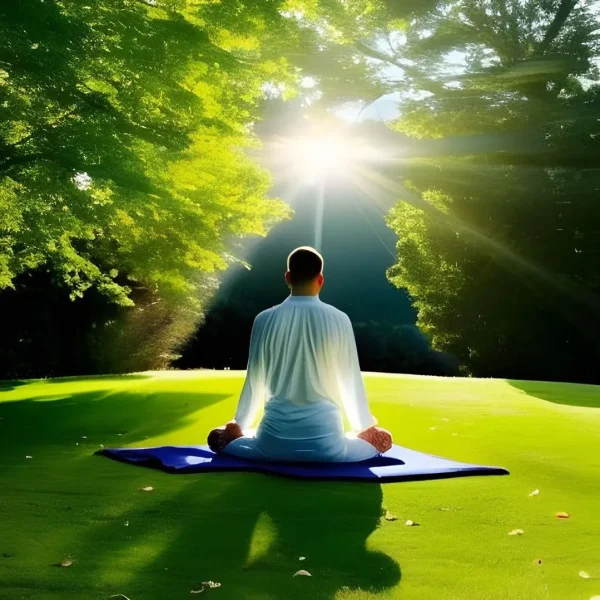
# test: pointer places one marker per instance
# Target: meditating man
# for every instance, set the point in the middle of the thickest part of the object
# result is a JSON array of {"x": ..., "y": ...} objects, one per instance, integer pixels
[{"x": 303, "y": 374}]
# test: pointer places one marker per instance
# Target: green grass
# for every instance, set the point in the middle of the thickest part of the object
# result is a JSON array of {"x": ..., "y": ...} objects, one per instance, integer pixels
[{"x": 247, "y": 531}]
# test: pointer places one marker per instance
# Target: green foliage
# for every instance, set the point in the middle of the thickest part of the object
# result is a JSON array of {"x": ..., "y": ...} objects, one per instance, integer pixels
[
  {"x": 122, "y": 159},
  {"x": 121, "y": 142},
  {"x": 499, "y": 248}
]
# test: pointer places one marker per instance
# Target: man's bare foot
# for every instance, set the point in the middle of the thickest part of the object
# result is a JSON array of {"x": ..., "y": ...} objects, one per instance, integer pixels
[
  {"x": 219, "y": 438},
  {"x": 378, "y": 437}
]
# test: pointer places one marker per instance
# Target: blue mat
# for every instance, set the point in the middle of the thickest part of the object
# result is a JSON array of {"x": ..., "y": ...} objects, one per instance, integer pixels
[{"x": 398, "y": 464}]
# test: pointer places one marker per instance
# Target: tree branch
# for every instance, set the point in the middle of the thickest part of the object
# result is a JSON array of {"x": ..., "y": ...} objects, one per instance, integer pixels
[
  {"x": 20, "y": 160},
  {"x": 562, "y": 14},
  {"x": 376, "y": 54}
]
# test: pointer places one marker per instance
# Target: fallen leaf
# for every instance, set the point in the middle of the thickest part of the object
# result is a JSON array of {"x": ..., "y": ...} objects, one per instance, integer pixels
[
  {"x": 84, "y": 437},
  {"x": 584, "y": 575},
  {"x": 534, "y": 493},
  {"x": 302, "y": 558},
  {"x": 302, "y": 573},
  {"x": 67, "y": 562},
  {"x": 410, "y": 523},
  {"x": 389, "y": 516},
  {"x": 29, "y": 456},
  {"x": 562, "y": 515},
  {"x": 516, "y": 532},
  {"x": 148, "y": 488},
  {"x": 205, "y": 585}
]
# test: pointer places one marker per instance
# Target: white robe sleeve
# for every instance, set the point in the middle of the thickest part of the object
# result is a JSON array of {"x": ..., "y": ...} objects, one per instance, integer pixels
[
  {"x": 252, "y": 396},
  {"x": 354, "y": 397}
]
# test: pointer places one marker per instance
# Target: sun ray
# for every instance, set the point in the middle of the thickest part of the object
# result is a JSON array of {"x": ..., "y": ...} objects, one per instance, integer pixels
[{"x": 531, "y": 274}]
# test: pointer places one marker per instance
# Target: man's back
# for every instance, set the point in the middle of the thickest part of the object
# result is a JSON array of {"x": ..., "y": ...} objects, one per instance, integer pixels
[
  {"x": 303, "y": 352},
  {"x": 301, "y": 343}
]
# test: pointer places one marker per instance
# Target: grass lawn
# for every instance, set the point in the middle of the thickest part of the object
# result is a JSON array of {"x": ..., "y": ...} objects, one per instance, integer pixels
[{"x": 248, "y": 531}]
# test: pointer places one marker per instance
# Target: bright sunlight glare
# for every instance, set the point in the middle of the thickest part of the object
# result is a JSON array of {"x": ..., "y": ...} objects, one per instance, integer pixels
[
  {"x": 313, "y": 158},
  {"x": 318, "y": 156}
]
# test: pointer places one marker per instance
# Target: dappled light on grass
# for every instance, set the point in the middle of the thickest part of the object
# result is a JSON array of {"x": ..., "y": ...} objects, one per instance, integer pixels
[{"x": 263, "y": 536}]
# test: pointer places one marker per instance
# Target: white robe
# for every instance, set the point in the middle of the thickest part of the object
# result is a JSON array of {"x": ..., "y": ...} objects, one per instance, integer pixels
[{"x": 303, "y": 372}]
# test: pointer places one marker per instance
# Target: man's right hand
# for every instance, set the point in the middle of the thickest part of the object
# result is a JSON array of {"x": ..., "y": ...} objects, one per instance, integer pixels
[{"x": 378, "y": 437}]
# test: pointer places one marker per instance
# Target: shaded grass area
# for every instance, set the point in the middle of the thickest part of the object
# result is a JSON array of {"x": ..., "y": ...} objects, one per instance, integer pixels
[
  {"x": 248, "y": 531},
  {"x": 571, "y": 394}
]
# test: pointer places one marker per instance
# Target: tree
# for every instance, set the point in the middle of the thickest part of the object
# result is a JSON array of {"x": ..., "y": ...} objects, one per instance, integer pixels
[
  {"x": 499, "y": 249},
  {"x": 121, "y": 148},
  {"x": 120, "y": 144}
]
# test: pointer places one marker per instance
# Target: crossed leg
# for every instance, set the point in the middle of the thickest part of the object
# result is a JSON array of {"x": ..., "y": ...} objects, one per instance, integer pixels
[{"x": 221, "y": 437}]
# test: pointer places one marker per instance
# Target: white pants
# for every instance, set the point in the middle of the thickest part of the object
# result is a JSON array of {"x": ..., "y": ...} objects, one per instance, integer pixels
[{"x": 311, "y": 433}]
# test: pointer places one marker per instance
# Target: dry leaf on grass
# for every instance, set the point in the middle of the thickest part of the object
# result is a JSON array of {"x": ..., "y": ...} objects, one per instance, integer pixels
[
  {"x": 302, "y": 558},
  {"x": 302, "y": 573},
  {"x": 205, "y": 585},
  {"x": 562, "y": 515},
  {"x": 584, "y": 575},
  {"x": 67, "y": 562},
  {"x": 534, "y": 493},
  {"x": 516, "y": 532},
  {"x": 410, "y": 523},
  {"x": 148, "y": 488},
  {"x": 389, "y": 516}
]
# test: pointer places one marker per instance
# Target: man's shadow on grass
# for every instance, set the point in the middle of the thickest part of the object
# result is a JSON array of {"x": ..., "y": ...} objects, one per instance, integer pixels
[
  {"x": 244, "y": 531},
  {"x": 251, "y": 533}
]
